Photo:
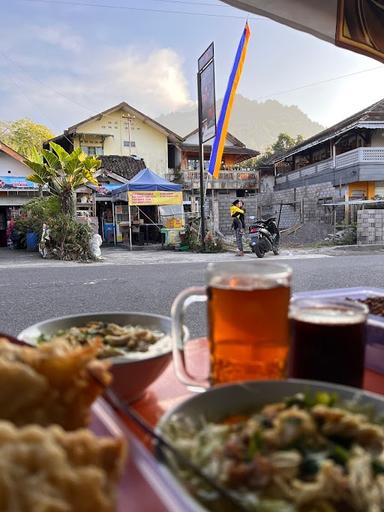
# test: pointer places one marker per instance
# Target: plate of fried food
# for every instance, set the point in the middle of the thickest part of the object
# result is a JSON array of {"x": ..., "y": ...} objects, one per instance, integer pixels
[{"x": 49, "y": 459}]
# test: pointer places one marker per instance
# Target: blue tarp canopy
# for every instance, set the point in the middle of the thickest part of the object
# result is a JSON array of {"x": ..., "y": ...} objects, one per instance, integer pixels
[{"x": 147, "y": 180}]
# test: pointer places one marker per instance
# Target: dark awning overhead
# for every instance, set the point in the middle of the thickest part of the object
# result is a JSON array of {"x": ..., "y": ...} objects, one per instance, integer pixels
[{"x": 356, "y": 25}]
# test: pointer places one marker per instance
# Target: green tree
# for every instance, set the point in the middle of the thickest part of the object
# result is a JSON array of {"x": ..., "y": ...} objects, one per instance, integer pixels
[
  {"x": 282, "y": 144},
  {"x": 62, "y": 172},
  {"x": 24, "y": 135}
]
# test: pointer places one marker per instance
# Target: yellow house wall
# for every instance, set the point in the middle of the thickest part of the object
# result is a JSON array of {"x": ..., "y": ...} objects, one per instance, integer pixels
[{"x": 151, "y": 144}]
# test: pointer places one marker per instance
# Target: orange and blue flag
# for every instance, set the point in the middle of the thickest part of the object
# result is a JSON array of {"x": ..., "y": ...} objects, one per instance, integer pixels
[{"x": 226, "y": 109}]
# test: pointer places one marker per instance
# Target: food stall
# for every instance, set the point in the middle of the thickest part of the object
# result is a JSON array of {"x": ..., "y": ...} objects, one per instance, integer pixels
[{"x": 154, "y": 210}]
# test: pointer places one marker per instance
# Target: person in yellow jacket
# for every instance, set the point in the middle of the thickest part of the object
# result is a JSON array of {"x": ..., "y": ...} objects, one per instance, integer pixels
[{"x": 237, "y": 211}]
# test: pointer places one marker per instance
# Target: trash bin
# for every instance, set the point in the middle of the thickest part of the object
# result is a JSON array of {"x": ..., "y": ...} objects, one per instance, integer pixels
[
  {"x": 32, "y": 241},
  {"x": 109, "y": 230}
]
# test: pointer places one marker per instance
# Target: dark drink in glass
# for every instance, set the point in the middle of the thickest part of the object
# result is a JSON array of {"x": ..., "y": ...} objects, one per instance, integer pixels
[{"x": 328, "y": 341}]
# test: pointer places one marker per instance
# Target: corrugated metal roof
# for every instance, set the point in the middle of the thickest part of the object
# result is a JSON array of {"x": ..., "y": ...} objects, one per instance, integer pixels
[{"x": 371, "y": 117}]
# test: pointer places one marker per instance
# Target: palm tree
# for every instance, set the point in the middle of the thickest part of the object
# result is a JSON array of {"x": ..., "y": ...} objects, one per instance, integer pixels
[{"x": 62, "y": 172}]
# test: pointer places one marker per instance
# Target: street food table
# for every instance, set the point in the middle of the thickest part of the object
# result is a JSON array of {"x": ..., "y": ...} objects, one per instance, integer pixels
[
  {"x": 167, "y": 392},
  {"x": 163, "y": 198}
]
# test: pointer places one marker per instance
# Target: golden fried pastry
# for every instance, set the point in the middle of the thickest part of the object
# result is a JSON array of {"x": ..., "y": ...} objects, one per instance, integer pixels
[
  {"x": 51, "y": 384},
  {"x": 50, "y": 470}
]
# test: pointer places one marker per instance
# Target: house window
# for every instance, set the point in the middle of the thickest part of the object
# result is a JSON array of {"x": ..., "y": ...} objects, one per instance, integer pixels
[
  {"x": 194, "y": 165},
  {"x": 93, "y": 150},
  {"x": 128, "y": 143}
]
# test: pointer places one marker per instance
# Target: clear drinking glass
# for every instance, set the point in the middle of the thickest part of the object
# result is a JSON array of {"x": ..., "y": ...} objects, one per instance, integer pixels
[
  {"x": 247, "y": 322},
  {"x": 328, "y": 340}
]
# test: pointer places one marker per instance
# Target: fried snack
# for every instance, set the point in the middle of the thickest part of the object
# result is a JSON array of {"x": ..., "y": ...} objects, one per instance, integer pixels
[
  {"x": 50, "y": 470},
  {"x": 50, "y": 384}
]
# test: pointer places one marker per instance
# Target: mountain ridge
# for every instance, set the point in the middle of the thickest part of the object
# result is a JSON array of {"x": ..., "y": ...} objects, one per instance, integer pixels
[{"x": 256, "y": 124}]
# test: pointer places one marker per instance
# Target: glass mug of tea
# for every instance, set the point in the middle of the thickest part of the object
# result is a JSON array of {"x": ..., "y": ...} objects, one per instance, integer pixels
[
  {"x": 328, "y": 340},
  {"x": 247, "y": 322}
]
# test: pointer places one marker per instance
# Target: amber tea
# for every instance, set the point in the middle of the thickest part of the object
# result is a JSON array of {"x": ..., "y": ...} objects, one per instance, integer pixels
[
  {"x": 248, "y": 326},
  {"x": 248, "y": 329}
]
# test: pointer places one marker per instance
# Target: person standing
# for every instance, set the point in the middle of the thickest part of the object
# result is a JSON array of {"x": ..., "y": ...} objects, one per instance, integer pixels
[{"x": 237, "y": 211}]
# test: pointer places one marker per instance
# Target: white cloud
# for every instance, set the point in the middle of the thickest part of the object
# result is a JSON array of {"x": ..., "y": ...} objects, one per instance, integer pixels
[
  {"x": 155, "y": 79},
  {"x": 153, "y": 82},
  {"x": 59, "y": 35}
]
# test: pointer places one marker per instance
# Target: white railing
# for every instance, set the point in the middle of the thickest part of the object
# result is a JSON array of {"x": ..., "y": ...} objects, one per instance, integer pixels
[
  {"x": 371, "y": 154},
  {"x": 355, "y": 156},
  {"x": 347, "y": 159},
  {"x": 358, "y": 155},
  {"x": 227, "y": 179}
]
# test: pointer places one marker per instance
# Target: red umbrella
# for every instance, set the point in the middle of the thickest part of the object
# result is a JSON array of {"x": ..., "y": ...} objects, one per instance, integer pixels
[{"x": 357, "y": 25}]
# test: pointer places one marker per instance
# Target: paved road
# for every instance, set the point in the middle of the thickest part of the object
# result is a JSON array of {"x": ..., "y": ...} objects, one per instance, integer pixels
[{"x": 32, "y": 292}]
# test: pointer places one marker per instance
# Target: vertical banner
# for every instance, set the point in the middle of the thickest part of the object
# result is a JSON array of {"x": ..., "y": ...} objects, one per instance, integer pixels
[{"x": 226, "y": 109}]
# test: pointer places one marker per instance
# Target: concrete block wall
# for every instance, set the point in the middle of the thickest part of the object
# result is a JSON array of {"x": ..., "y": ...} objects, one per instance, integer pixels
[
  {"x": 370, "y": 227},
  {"x": 306, "y": 206}
]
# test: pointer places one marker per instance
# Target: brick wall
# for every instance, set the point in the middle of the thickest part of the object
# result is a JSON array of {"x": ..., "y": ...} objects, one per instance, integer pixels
[
  {"x": 300, "y": 205},
  {"x": 370, "y": 227}
]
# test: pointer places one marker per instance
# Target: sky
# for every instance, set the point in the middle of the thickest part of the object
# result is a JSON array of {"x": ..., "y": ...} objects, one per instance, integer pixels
[{"x": 62, "y": 61}]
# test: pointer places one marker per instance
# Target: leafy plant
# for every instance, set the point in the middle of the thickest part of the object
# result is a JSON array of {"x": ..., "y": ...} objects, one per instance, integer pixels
[
  {"x": 69, "y": 240},
  {"x": 191, "y": 238},
  {"x": 62, "y": 172},
  {"x": 213, "y": 243},
  {"x": 282, "y": 144},
  {"x": 34, "y": 214}
]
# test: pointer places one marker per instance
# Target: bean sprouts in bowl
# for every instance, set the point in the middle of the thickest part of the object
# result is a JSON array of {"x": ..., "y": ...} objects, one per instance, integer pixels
[{"x": 281, "y": 446}]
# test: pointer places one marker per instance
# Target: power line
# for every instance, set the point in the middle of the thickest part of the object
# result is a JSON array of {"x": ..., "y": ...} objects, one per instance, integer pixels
[
  {"x": 183, "y": 2},
  {"x": 312, "y": 84},
  {"x": 34, "y": 104},
  {"x": 145, "y": 9},
  {"x": 278, "y": 93}
]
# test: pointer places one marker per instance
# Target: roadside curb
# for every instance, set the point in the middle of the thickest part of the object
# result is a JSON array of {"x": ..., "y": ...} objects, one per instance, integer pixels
[{"x": 360, "y": 247}]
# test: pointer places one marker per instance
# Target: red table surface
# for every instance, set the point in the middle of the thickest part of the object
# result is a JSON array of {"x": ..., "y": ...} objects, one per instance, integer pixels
[{"x": 167, "y": 392}]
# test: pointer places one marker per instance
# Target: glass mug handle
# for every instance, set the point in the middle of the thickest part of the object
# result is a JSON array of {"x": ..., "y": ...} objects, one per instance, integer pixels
[{"x": 181, "y": 303}]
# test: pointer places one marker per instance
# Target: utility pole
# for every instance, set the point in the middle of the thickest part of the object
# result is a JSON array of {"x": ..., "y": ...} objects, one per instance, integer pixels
[
  {"x": 207, "y": 119},
  {"x": 201, "y": 163}
]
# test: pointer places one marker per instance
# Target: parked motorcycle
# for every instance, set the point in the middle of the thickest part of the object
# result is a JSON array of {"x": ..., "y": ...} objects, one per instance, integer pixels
[{"x": 264, "y": 236}]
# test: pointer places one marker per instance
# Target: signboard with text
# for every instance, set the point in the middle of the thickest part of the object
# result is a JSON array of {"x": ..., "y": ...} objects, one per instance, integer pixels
[
  {"x": 157, "y": 197},
  {"x": 16, "y": 182},
  {"x": 206, "y": 94}
]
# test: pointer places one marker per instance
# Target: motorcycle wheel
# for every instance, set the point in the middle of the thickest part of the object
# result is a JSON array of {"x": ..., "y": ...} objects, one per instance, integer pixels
[{"x": 259, "y": 251}]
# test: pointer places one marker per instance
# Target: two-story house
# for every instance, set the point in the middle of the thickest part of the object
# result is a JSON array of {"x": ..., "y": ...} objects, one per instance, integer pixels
[
  {"x": 349, "y": 154},
  {"x": 123, "y": 131}
]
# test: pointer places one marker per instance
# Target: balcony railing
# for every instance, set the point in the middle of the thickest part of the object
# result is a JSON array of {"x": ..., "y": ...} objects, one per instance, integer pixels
[
  {"x": 236, "y": 179},
  {"x": 353, "y": 157}
]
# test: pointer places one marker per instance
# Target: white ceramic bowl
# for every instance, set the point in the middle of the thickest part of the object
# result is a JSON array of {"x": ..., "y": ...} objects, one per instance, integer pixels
[
  {"x": 222, "y": 401},
  {"x": 130, "y": 377}
]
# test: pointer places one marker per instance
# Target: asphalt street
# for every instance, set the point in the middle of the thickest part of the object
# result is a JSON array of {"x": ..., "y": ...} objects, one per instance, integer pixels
[{"x": 31, "y": 293}]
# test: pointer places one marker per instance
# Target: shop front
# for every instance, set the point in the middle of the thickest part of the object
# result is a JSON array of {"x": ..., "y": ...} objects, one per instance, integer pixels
[
  {"x": 15, "y": 191},
  {"x": 148, "y": 210}
]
